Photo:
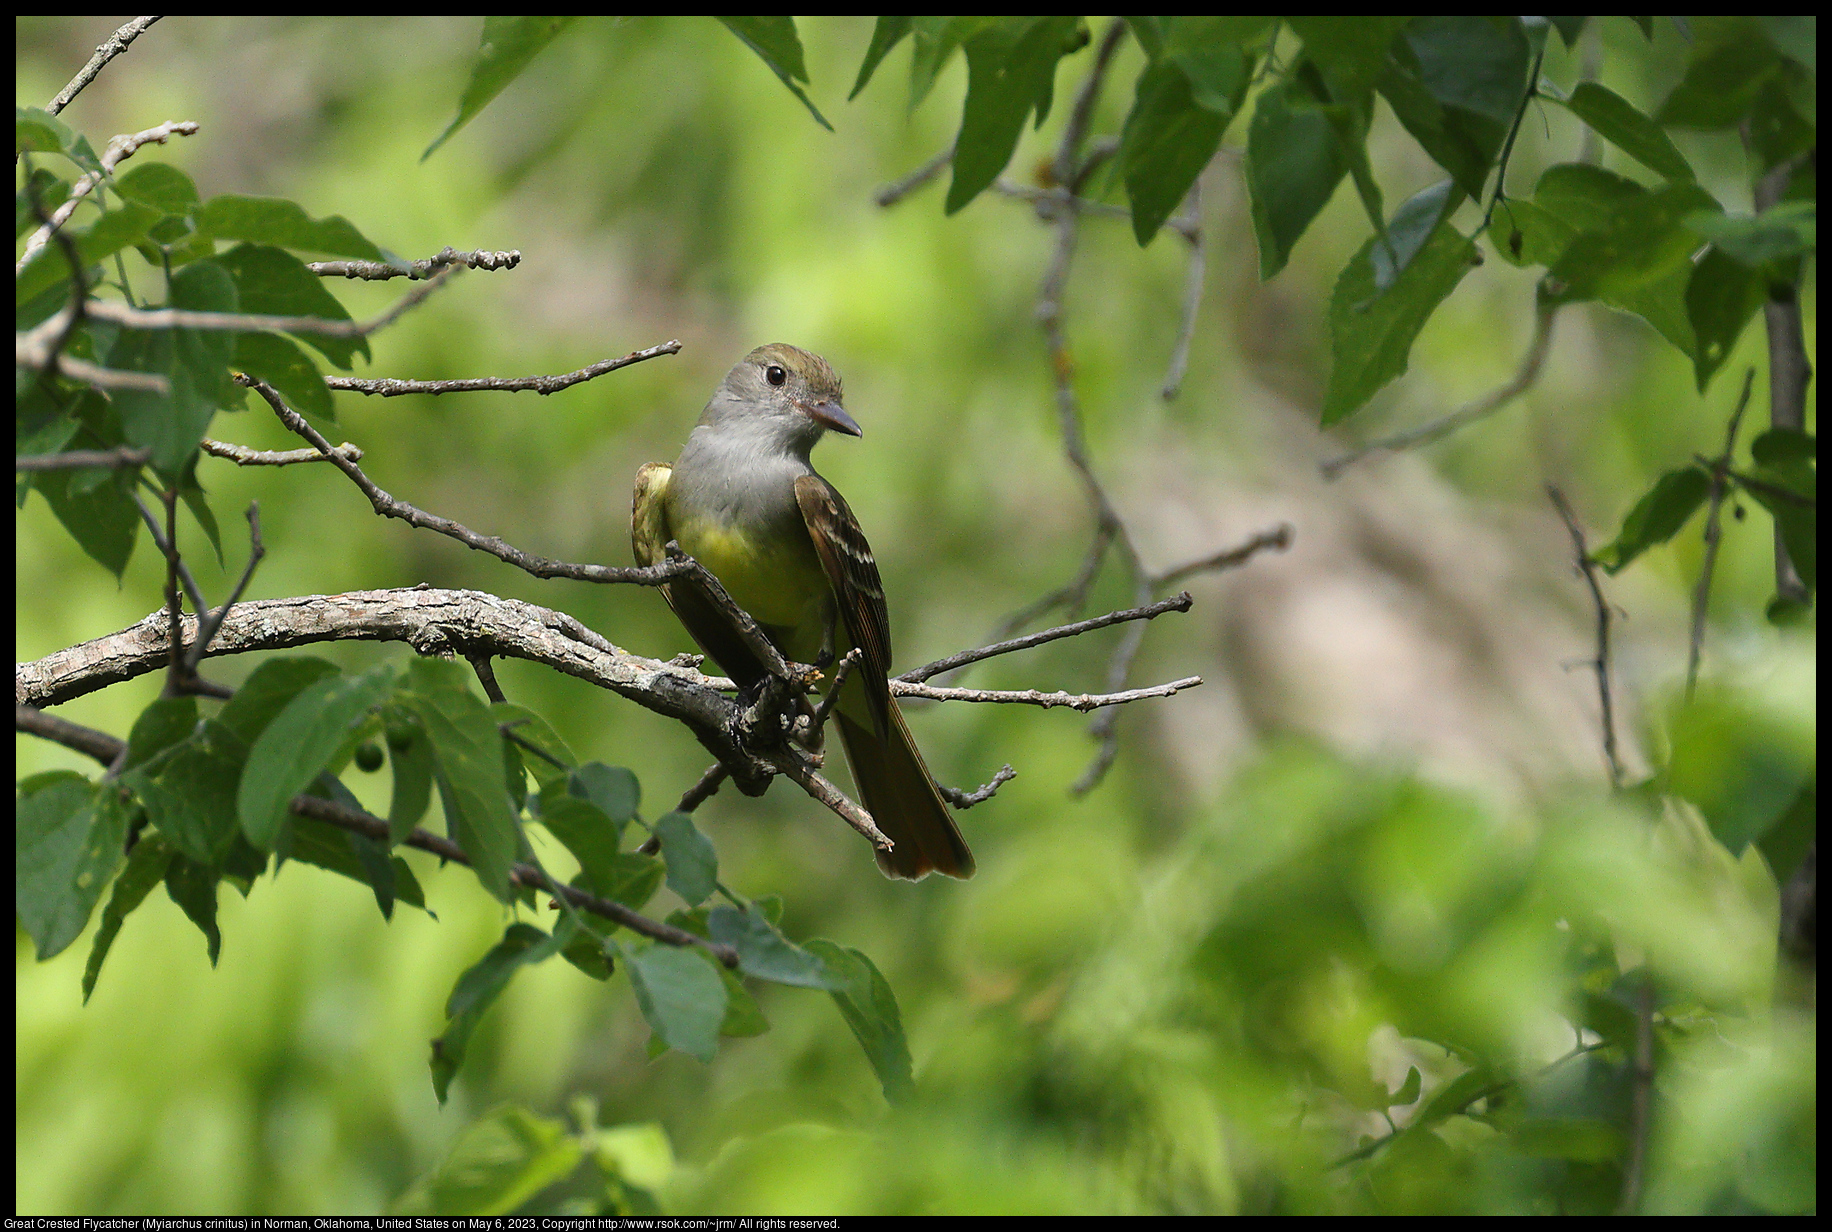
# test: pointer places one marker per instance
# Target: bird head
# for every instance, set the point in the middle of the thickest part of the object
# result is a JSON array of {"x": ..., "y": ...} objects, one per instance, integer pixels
[{"x": 791, "y": 390}]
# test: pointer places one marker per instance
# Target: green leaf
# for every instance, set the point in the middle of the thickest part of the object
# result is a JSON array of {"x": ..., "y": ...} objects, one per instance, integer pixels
[
  {"x": 145, "y": 869},
  {"x": 102, "y": 519},
  {"x": 1294, "y": 162},
  {"x": 190, "y": 793},
  {"x": 612, "y": 788},
  {"x": 1744, "y": 769},
  {"x": 192, "y": 493},
  {"x": 532, "y": 728},
  {"x": 765, "y": 953},
  {"x": 108, "y": 234},
  {"x": 280, "y": 362},
  {"x": 507, "y": 47},
  {"x": 1616, "y": 121},
  {"x": 273, "y": 282},
  {"x": 693, "y": 865},
  {"x": 584, "y": 830},
  {"x": 159, "y": 186},
  {"x": 1656, "y": 517},
  {"x": 935, "y": 39},
  {"x": 40, "y": 132},
  {"x": 468, "y": 758},
  {"x": 279, "y": 223},
  {"x": 1011, "y": 69},
  {"x": 163, "y": 724},
  {"x": 1779, "y": 447},
  {"x": 1408, "y": 1092},
  {"x": 1589, "y": 1140},
  {"x": 680, "y": 996},
  {"x": 1645, "y": 239},
  {"x": 1167, "y": 141},
  {"x": 1350, "y": 50},
  {"x": 1788, "y": 229},
  {"x": 870, "y": 1010},
  {"x": 631, "y": 879},
  {"x": 1454, "y": 82},
  {"x": 584, "y": 949},
  {"x": 267, "y": 691},
  {"x": 331, "y": 848},
  {"x": 1413, "y": 224},
  {"x": 1786, "y": 842},
  {"x": 495, "y": 1165},
  {"x": 299, "y": 743},
  {"x": 1454, "y": 1096},
  {"x": 1721, "y": 295},
  {"x": 193, "y": 887},
  {"x": 1211, "y": 51},
  {"x": 1372, "y": 330},
  {"x": 1726, "y": 73},
  {"x": 69, "y": 833},
  {"x": 410, "y": 757},
  {"x": 885, "y": 35},
  {"x": 777, "y": 45},
  {"x": 51, "y": 190},
  {"x": 477, "y": 988}
]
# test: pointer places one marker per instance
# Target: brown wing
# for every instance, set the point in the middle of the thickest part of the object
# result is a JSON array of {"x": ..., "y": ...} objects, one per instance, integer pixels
[
  {"x": 858, "y": 592},
  {"x": 649, "y": 536}
]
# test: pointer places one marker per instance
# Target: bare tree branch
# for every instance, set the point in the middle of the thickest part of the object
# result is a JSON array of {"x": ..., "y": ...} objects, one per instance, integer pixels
[
  {"x": 390, "y": 388},
  {"x": 105, "y": 51},
  {"x": 381, "y": 271},
  {"x": 1032, "y": 697},
  {"x": 212, "y": 621},
  {"x": 1192, "y": 295},
  {"x": 241, "y": 455},
  {"x": 1524, "y": 378},
  {"x": 118, "y": 150},
  {"x": 1177, "y": 603},
  {"x": 121, "y": 456},
  {"x": 891, "y": 194},
  {"x": 1601, "y": 662},
  {"x": 967, "y": 799}
]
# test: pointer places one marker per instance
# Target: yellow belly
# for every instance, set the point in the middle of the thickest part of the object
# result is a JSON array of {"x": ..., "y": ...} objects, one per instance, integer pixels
[{"x": 778, "y": 583}]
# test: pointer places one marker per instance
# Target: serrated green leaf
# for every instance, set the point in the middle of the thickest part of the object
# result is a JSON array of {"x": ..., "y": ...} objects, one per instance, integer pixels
[
  {"x": 1721, "y": 295},
  {"x": 1617, "y": 121},
  {"x": 531, "y": 727},
  {"x": 613, "y": 789},
  {"x": 1350, "y": 49},
  {"x": 279, "y": 223},
  {"x": 476, "y": 989},
  {"x": 101, "y": 518},
  {"x": 145, "y": 869},
  {"x": 69, "y": 834},
  {"x": 190, "y": 793},
  {"x": 1453, "y": 82},
  {"x": 159, "y": 186},
  {"x": 193, "y": 887},
  {"x": 682, "y": 999},
  {"x": 329, "y": 847},
  {"x": 410, "y": 758},
  {"x": 1294, "y": 162},
  {"x": 765, "y": 953},
  {"x": 507, "y": 46},
  {"x": 267, "y": 691},
  {"x": 298, "y": 743},
  {"x": 1372, "y": 330},
  {"x": 273, "y": 282},
  {"x": 1167, "y": 140},
  {"x": 869, "y": 1007},
  {"x": 584, "y": 830},
  {"x": 1645, "y": 239},
  {"x": 1656, "y": 517},
  {"x": 1412, "y": 225},
  {"x": 1723, "y": 78},
  {"x": 885, "y": 35},
  {"x": 1011, "y": 69},
  {"x": 777, "y": 45},
  {"x": 468, "y": 760},
  {"x": 162, "y": 725},
  {"x": 693, "y": 865},
  {"x": 1788, "y": 229},
  {"x": 631, "y": 879}
]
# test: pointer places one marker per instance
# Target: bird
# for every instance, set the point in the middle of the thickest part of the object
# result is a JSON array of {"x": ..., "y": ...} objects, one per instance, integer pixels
[{"x": 744, "y": 500}]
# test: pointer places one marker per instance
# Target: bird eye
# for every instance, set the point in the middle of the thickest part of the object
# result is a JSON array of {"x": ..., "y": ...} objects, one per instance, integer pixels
[{"x": 775, "y": 375}]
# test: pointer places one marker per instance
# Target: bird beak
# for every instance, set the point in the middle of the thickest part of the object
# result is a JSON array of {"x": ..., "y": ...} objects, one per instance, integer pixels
[{"x": 831, "y": 415}]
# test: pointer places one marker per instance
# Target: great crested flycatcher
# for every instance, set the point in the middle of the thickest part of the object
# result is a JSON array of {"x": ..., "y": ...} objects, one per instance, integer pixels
[{"x": 745, "y": 502}]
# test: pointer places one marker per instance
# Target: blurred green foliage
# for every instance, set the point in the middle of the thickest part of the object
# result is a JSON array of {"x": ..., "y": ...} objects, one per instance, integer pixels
[{"x": 1255, "y": 970}]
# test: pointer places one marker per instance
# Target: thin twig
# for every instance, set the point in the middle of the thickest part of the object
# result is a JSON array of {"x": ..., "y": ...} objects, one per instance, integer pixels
[
  {"x": 241, "y": 455},
  {"x": 1524, "y": 378},
  {"x": 209, "y": 623},
  {"x": 381, "y": 271},
  {"x": 1176, "y": 603},
  {"x": 1789, "y": 370},
  {"x": 191, "y": 589},
  {"x": 1641, "y": 1105},
  {"x": 390, "y": 388},
  {"x": 185, "y": 318},
  {"x": 30, "y": 352},
  {"x": 1276, "y": 539},
  {"x": 1032, "y": 697},
  {"x": 48, "y": 355},
  {"x": 1601, "y": 662},
  {"x": 703, "y": 790},
  {"x": 118, "y": 458},
  {"x": 891, "y": 194},
  {"x": 1192, "y": 296},
  {"x": 1701, "y": 594},
  {"x": 1773, "y": 491},
  {"x": 175, "y": 674},
  {"x": 105, "y": 51},
  {"x": 1507, "y": 147},
  {"x": 118, "y": 150},
  {"x": 486, "y": 676},
  {"x": 967, "y": 799},
  {"x": 841, "y": 670}
]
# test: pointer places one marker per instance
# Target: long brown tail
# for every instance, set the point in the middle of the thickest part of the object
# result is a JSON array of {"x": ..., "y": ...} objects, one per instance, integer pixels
[{"x": 901, "y": 797}]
